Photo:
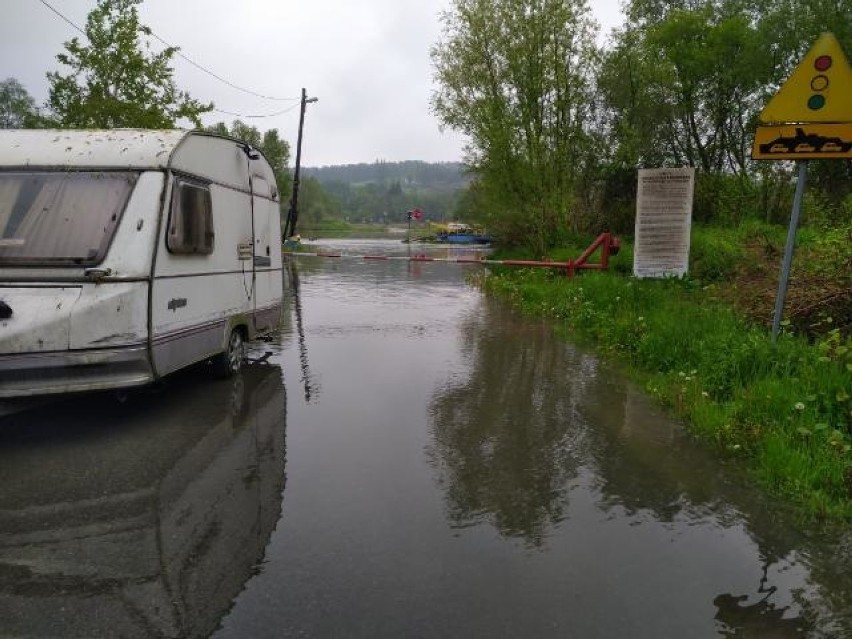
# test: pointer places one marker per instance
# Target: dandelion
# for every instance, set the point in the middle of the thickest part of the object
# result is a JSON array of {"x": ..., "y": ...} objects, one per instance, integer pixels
[{"x": 799, "y": 406}]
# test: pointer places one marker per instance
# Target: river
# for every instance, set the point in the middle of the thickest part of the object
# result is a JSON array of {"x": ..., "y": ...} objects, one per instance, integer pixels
[{"x": 410, "y": 459}]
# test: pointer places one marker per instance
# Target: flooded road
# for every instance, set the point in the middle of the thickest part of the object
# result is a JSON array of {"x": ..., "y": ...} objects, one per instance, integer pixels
[{"x": 413, "y": 460}]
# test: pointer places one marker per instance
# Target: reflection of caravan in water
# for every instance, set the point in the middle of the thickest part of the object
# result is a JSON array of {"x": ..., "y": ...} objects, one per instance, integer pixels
[
  {"x": 158, "y": 536},
  {"x": 126, "y": 255}
]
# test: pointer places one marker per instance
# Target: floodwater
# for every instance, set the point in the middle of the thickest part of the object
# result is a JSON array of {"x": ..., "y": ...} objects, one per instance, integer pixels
[{"x": 411, "y": 460}]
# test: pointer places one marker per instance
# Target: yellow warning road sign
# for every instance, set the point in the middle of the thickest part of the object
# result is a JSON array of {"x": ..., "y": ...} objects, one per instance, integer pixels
[
  {"x": 802, "y": 142},
  {"x": 818, "y": 90}
]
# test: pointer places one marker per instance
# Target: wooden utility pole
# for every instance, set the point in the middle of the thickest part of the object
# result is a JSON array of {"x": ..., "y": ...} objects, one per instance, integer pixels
[{"x": 293, "y": 212}]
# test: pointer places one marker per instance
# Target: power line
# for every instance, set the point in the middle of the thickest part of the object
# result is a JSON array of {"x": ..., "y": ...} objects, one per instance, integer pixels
[
  {"x": 221, "y": 79},
  {"x": 56, "y": 11},
  {"x": 264, "y": 115},
  {"x": 193, "y": 63}
]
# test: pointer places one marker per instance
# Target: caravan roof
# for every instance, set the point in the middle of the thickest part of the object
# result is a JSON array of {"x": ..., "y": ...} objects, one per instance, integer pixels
[
  {"x": 195, "y": 152},
  {"x": 130, "y": 148}
]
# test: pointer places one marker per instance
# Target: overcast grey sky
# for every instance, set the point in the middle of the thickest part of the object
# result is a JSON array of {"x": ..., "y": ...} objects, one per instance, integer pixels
[{"x": 366, "y": 60}]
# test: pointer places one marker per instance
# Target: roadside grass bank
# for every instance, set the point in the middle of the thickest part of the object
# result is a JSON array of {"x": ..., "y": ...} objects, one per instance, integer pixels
[{"x": 785, "y": 409}]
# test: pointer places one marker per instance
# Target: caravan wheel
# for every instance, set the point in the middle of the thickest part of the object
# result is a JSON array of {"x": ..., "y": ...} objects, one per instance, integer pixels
[{"x": 229, "y": 363}]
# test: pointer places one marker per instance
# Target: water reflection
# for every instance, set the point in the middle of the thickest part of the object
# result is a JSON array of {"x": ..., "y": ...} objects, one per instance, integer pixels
[
  {"x": 739, "y": 619},
  {"x": 506, "y": 436},
  {"x": 532, "y": 420},
  {"x": 308, "y": 382},
  {"x": 648, "y": 465},
  {"x": 143, "y": 519}
]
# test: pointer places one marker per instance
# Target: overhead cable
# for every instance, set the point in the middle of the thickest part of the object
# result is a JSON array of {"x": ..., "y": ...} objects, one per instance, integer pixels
[
  {"x": 193, "y": 63},
  {"x": 263, "y": 115},
  {"x": 220, "y": 78},
  {"x": 56, "y": 11}
]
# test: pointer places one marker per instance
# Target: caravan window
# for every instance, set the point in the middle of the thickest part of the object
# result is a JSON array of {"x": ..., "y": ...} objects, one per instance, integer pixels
[
  {"x": 58, "y": 218},
  {"x": 191, "y": 219}
]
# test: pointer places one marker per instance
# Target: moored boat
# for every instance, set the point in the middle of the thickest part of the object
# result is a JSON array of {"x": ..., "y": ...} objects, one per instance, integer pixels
[{"x": 460, "y": 233}]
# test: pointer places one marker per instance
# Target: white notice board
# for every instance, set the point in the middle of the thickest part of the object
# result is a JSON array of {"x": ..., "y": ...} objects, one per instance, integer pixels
[{"x": 663, "y": 222}]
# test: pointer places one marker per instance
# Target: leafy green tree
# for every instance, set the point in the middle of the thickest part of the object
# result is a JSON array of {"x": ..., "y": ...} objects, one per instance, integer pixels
[
  {"x": 470, "y": 206},
  {"x": 114, "y": 80},
  {"x": 17, "y": 108},
  {"x": 684, "y": 84},
  {"x": 516, "y": 77},
  {"x": 685, "y": 89},
  {"x": 686, "y": 80},
  {"x": 316, "y": 204}
]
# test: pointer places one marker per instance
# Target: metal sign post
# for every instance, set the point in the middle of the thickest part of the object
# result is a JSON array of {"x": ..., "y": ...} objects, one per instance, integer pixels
[
  {"x": 416, "y": 214},
  {"x": 788, "y": 250}
]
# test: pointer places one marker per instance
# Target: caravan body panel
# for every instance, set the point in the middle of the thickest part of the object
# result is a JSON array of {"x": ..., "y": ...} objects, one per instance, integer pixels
[
  {"x": 184, "y": 253},
  {"x": 41, "y": 320}
]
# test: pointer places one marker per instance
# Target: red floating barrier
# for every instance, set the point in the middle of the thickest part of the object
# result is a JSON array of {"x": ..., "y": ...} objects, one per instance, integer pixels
[{"x": 608, "y": 244}]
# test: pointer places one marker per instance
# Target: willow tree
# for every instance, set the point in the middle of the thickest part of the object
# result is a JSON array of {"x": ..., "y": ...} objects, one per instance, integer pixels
[
  {"x": 516, "y": 77},
  {"x": 115, "y": 79}
]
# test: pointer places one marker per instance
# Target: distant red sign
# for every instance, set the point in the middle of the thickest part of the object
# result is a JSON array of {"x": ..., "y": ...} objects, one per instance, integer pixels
[{"x": 415, "y": 213}]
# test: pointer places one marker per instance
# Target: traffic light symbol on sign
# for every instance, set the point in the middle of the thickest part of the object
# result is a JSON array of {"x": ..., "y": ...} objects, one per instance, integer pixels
[
  {"x": 818, "y": 90},
  {"x": 820, "y": 82}
]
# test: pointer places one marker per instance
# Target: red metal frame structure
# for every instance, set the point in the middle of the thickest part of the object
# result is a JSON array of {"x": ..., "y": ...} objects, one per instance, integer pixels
[{"x": 608, "y": 243}]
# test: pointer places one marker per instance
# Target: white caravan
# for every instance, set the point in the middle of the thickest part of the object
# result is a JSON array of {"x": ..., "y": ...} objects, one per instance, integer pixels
[{"x": 128, "y": 254}]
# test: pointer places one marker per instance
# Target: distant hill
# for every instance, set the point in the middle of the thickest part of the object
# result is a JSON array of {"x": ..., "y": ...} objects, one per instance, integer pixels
[
  {"x": 384, "y": 192},
  {"x": 437, "y": 176}
]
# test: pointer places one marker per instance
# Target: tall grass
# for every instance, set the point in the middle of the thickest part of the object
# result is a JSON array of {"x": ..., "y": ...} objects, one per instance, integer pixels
[{"x": 784, "y": 407}]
